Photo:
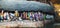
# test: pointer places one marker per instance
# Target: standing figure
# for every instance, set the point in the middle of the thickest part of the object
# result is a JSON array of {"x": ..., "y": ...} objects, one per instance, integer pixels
[
  {"x": 40, "y": 15},
  {"x": 36, "y": 16},
  {"x": 6, "y": 16},
  {"x": 2, "y": 14},
  {"x": 28, "y": 15},
  {"x": 16, "y": 14},
  {"x": 24, "y": 15},
  {"x": 20, "y": 16},
  {"x": 31, "y": 16}
]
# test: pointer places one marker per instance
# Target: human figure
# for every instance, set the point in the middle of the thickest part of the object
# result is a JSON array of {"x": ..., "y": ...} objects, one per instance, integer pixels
[
  {"x": 11, "y": 16},
  {"x": 40, "y": 16},
  {"x": 16, "y": 14},
  {"x": 24, "y": 15},
  {"x": 2, "y": 14},
  {"x": 6, "y": 16},
  {"x": 28, "y": 15},
  {"x": 31, "y": 16},
  {"x": 36, "y": 16}
]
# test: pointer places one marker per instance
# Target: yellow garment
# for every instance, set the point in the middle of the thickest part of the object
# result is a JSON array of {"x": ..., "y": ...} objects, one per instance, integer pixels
[{"x": 16, "y": 14}]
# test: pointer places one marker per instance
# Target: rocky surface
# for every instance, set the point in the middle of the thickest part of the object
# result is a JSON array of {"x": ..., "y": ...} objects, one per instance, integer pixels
[{"x": 25, "y": 23}]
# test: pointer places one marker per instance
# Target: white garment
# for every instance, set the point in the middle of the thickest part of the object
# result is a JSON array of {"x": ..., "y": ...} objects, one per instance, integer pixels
[
  {"x": 20, "y": 18},
  {"x": 11, "y": 14},
  {"x": 6, "y": 15}
]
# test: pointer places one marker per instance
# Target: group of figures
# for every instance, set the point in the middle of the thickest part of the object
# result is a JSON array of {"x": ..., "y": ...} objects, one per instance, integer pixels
[{"x": 36, "y": 16}]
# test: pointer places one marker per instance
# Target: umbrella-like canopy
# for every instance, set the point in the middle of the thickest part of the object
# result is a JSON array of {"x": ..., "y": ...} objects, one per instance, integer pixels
[{"x": 25, "y": 6}]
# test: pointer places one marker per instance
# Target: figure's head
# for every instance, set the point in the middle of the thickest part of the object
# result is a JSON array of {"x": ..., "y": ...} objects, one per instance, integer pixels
[{"x": 16, "y": 11}]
